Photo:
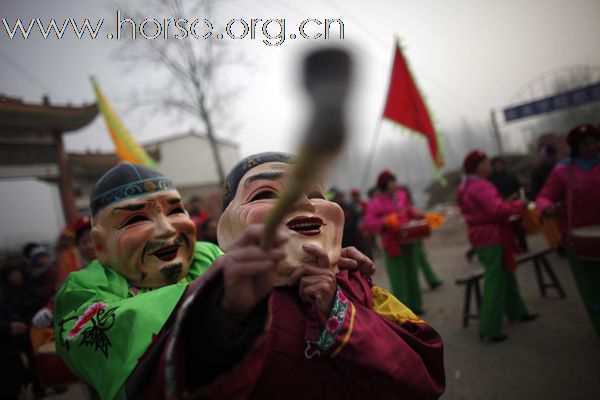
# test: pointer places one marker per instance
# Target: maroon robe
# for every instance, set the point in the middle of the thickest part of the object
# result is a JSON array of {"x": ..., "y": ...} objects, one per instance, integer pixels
[
  {"x": 201, "y": 351},
  {"x": 375, "y": 359},
  {"x": 371, "y": 357}
]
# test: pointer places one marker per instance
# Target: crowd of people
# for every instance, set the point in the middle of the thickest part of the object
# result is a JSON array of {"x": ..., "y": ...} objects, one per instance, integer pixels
[
  {"x": 29, "y": 283},
  {"x": 151, "y": 297}
]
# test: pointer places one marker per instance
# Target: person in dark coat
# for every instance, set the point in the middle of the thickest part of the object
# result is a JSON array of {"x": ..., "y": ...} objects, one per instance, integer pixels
[
  {"x": 547, "y": 158},
  {"x": 13, "y": 332},
  {"x": 505, "y": 181}
]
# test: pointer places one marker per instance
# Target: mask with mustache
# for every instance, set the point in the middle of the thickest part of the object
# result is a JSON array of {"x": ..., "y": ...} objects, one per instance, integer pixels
[
  {"x": 252, "y": 190},
  {"x": 149, "y": 240}
]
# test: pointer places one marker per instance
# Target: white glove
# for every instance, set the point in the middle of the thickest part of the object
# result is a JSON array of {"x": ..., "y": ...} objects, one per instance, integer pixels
[{"x": 42, "y": 318}]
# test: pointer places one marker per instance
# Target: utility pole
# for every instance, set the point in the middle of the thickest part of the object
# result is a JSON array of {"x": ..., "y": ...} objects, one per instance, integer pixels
[{"x": 496, "y": 133}]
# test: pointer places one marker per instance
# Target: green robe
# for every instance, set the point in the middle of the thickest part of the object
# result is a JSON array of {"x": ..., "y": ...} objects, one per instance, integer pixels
[{"x": 103, "y": 325}]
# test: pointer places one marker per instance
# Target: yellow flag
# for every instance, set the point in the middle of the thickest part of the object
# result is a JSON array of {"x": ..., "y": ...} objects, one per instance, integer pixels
[{"x": 127, "y": 148}]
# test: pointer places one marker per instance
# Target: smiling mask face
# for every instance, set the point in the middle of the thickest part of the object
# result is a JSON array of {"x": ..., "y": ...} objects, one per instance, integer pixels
[
  {"x": 148, "y": 239},
  {"x": 313, "y": 219}
]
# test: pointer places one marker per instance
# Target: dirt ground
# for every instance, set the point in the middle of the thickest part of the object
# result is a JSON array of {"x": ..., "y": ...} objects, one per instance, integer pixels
[{"x": 555, "y": 357}]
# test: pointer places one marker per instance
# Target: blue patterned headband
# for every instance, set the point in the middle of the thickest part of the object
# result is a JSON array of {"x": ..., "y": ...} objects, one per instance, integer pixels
[
  {"x": 125, "y": 181},
  {"x": 239, "y": 170}
]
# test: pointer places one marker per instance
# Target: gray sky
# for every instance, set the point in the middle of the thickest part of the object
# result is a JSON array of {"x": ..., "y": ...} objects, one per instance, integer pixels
[{"x": 468, "y": 57}]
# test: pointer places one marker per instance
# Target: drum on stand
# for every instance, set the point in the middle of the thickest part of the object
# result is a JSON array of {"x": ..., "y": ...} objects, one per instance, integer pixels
[
  {"x": 413, "y": 231},
  {"x": 585, "y": 242}
]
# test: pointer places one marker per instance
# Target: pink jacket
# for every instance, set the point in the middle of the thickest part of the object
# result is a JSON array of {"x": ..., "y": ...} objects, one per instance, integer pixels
[
  {"x": 585, "y": 195},
  {"x": 382, "y": 206},
  {"x": 484, "y": 210}
]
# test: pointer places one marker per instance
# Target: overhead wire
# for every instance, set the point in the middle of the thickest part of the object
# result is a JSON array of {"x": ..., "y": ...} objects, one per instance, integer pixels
[{"x": 23, "y": 71}]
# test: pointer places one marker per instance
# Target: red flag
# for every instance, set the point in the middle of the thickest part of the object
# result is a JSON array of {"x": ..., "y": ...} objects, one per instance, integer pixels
[{"x": 405, "y": 106}]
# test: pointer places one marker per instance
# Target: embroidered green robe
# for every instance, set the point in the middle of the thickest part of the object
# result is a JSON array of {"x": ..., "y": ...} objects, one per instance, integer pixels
[{"x": 103, "y": 325}]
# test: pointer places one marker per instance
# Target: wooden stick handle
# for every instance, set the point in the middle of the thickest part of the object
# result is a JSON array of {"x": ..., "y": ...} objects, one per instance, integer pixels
[{"x": 327, "y": 77}]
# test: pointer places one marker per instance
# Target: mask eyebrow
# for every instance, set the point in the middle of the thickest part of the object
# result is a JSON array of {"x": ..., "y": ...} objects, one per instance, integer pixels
[
  {"x": 269, "y": 176},
  {"x": 129, "y": 207},
  {"x": 173, "y": 201}
]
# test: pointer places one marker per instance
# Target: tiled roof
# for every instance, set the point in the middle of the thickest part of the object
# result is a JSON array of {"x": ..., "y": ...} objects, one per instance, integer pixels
[
  {"x": 88, "y": 159},
  {"x": 15, "y": 115},
  {"x": 90, "y": 165}
]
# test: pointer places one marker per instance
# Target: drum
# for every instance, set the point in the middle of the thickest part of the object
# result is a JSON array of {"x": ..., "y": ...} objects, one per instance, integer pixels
[
  {"x": 585, "y": 242},
  {"x": 413, "y": 231}
]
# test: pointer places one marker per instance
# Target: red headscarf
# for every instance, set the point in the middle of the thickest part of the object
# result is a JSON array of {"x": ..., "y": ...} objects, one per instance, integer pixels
[
  {"x": 383, "y": 177},
  {"x": 472, "y": 160},
  {"x": 580, "y": 132}
]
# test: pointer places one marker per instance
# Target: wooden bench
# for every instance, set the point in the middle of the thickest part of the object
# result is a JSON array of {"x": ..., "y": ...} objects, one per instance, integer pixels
[
  {"x": 470, "y": 277},
  {"x": 542, "y": 267}
]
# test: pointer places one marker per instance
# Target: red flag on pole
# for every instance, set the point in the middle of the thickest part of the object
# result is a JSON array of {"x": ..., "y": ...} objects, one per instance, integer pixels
[{"x": 405, "y": 106}]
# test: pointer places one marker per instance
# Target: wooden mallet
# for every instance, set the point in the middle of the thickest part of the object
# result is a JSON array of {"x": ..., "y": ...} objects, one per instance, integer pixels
[{"x": 327, "y": 75}]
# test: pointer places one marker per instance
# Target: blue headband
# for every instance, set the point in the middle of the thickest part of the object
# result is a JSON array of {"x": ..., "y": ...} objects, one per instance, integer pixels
[
  {"x": 239, "y": 170},
  {"x": 125, "y": 181}
]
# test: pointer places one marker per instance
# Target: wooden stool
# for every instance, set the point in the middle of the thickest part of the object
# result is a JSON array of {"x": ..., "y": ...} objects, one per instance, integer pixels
[
  {"x": 470, "y": 278},
  {"x": 541, "y": 264}
]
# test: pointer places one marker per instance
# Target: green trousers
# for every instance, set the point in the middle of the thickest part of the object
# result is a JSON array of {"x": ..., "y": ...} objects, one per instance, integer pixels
[
  {"x": 587, "y": 278},
  {"x": 424, "y": 265},
  {"x": 404, "y": 277},
  {"x": 500, "y": 292}
]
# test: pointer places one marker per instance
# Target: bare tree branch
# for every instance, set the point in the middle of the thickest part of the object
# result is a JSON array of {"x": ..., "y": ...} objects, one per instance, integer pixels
[{"x": 190, "y": 66}]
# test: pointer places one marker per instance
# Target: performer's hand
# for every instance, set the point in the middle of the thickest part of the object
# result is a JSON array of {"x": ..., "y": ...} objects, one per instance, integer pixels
[
  {"x": 317, "y": 283},
  {"x": 352, "y": 258},
  {"x": 18, "y": 328},
  {"x": 517, "y": 207},
  {"x": 249, "y": 270}
]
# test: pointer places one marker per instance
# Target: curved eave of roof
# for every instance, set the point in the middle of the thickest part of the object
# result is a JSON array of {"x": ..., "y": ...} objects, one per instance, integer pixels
[{"x": 30, "y": 117}]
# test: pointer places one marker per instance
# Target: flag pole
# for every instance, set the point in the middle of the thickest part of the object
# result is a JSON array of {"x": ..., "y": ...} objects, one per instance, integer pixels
[
  {"x": 375, "y": 139},
  {"x": 496, "y": 133},
  {"x": 371, "y": 153}
]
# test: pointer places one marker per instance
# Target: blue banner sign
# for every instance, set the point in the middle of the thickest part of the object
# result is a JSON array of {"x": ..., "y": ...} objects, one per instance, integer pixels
[{"x": 571, "y": 98}]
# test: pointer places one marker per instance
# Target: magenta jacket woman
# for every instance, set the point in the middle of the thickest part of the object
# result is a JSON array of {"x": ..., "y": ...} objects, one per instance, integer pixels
[
  {"x": 380, "y": 208},
  {"x": 575, "y": 182},
  {"x": 585, "y": 202},
  {"x": 484, "y": 210},
  {"x": 490, "y": 234},
  {"x": 385, "y": 214}
]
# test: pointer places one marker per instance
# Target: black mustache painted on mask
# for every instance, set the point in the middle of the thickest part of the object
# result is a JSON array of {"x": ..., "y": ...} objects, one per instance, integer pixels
[
  {"x": 171, "y": 272},
  {"x": 151, "y": 247}
]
